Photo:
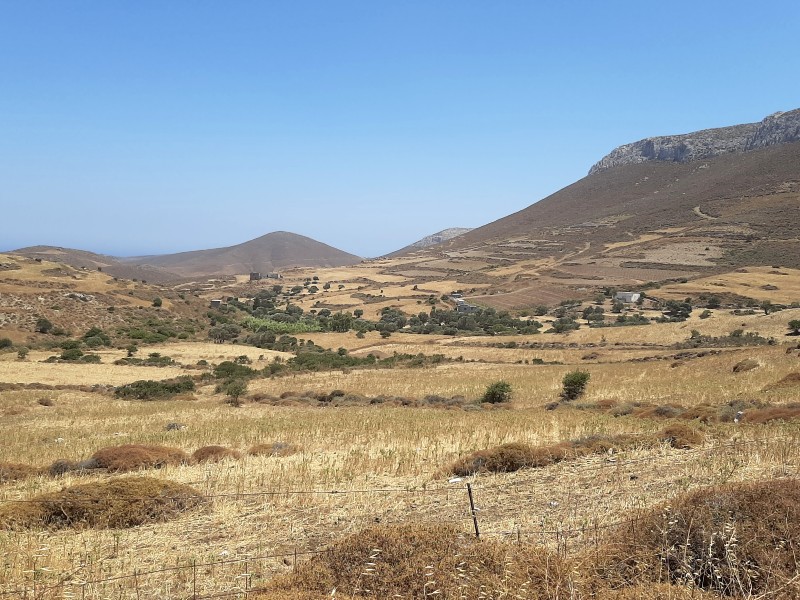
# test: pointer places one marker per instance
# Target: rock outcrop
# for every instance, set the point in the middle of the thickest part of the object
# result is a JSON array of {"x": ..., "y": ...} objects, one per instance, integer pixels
[
  {"x": 779, "y": 128},
  {"x": 439, "y": 237}
]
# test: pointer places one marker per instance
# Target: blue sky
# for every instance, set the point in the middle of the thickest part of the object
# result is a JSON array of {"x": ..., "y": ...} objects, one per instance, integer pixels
[{"x": 160, "y": 126}]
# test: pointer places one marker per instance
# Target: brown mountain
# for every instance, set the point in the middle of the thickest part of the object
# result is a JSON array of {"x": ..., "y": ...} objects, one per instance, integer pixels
[
  {"x": 635, "y": 222},
  {"x": 81, "y": 259},
  {"x": 277, "y": 250}
]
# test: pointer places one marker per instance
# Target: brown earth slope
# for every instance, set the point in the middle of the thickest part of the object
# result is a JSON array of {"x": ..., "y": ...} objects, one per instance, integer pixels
[
  {"x": 82, "y": 259},
  {"x": 277, "y": 250}
]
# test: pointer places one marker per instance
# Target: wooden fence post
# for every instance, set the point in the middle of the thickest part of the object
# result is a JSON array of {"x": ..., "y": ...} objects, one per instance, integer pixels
[{"x": 472, "y": 511}]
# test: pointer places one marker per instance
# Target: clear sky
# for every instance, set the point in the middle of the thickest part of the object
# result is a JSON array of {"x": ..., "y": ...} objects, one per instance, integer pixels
[{"x": 155, "y": 126}]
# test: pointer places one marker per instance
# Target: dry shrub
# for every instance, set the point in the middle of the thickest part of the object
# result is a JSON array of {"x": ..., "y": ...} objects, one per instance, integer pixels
[
  {"x": 681, "y": 436},
  {"x": 702, "y": 412},
  {"x": 45, "y": 402},
  {"x": 274, "y": 449},
  {"x": 737, "y": 540},
  {"x": 215, "y": 454},
  {"x": 663, "y": 411},
  {"x": 112, "y": 504},
  {"x": 514, "y": 456},
  {"x": 15, "y": 471},
  {"x": 62, "y": 466},
  {"x": 657, "y": 591},
  {"x": 130, "y": 457},
  {"x": 790, "y": 381},
  {"x": 773, "y": 413},
  {"x": 413, "y": 561},
  {"x": 185, "y": 397},
  {"x": 745, "y": 365}
]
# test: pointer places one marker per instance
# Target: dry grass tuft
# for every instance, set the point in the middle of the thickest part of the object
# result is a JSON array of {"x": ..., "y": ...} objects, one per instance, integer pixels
[
  {"x": 422, "y": 561},
  {"x": 514, "y": 456},
  {"x": 131, "y": 457},
  {"x": 790, "y": 381},
  {"x": 15, "y": 471},
  {"x": 650, "y": 591},
  {"x": 215, "y": 454},
  {"x": 116, "y": 503},
  {"x": 274, "y": 449},
  {"x": 681, "y": 436},
  {"x": 737, "y": 540},
  {"x": 772, "y": 413}
]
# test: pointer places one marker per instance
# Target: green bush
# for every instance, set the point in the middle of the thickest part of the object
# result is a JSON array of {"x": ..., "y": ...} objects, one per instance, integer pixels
[
  {"x": 499, "y": 391},
  {"x": 147, "y": 389},
  {"x": 71, "y": 354},
  {"x": 574, "y": 384},
  {"x": 5, "y": 343},
  {"x": 231, "y": 370},
  {"x": 43, "y": 325}
]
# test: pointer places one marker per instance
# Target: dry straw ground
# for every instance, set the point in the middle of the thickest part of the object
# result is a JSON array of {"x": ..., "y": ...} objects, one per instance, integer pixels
[{"x": 354, "y": 467}]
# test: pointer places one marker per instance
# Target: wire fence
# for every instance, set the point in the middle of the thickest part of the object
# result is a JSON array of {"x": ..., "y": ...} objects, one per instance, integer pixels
[{"x": 192, "y": 585}]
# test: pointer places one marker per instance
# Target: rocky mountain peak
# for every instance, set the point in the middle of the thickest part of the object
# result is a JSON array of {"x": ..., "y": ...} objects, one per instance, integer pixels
[{"x": 778, "y": 128}]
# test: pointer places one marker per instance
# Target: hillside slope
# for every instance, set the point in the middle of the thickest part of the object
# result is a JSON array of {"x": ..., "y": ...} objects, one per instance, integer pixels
[
  {"x": 277, "y": 250},
  {"x": 82, "y": 259},
  {"x": 432, "y": 240}
]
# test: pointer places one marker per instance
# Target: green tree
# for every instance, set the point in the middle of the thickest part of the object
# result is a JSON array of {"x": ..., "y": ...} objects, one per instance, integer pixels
[
  {"x": 767, "y": 307},
  {"x": 499, "y": 391},
  {"x": 235, "y": 389},
  {"x": 157, "y": 302},
  {"x": 5, "y": 343},
  {"x": 794, "y": 327},
  {"x": 341, "y": 322},
  {"x": 574, "y": 384},
  {"x": 22, "y": 353}
]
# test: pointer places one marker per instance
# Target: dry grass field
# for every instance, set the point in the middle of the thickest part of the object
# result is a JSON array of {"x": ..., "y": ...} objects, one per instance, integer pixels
[
  {"x": 361, "y": 465},
  {"x": 379, "y": 452}
]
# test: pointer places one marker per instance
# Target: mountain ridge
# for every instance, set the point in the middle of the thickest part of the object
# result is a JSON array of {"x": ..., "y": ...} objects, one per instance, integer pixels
[
  {"x": 431, "y": 240},
  {"x": 777, "y": 128},
  {"x": 269, "y": 252},
  {"x": 266, "y": 253}
]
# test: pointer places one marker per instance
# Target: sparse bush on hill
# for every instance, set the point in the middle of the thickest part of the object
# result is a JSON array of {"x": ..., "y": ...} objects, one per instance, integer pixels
[
  {"x": 574, "y": 384},
  {"x": 112, "y": 504},
  {"x": 96, "y": 337},
  {"x": 43, "y": 325}
]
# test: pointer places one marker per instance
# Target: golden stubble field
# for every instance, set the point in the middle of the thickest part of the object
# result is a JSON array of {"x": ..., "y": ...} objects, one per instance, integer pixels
[{"x": 361, "y": 465}]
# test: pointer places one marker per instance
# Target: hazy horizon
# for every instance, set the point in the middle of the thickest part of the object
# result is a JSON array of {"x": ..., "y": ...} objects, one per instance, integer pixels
[{"x": 166, "y": 127}]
